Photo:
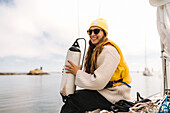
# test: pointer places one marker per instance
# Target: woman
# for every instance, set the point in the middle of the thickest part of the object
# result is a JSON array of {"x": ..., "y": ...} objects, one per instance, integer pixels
[{"x": 106, "y": 77}]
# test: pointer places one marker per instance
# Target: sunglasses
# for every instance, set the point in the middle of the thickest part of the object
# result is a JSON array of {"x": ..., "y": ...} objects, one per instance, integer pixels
[{"x": 96, "y": 31}]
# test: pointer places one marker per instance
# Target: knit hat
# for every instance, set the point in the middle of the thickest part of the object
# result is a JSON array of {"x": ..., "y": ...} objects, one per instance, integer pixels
[{"x": 100, "y": 22}]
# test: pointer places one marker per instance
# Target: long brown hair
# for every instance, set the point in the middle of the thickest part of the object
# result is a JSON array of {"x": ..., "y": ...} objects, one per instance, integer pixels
[{"x": 92, "y": 54}]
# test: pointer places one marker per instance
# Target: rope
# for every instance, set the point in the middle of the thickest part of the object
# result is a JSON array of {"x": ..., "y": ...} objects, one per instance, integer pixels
[
  {"x": 151, "y": 107},
  {"x": 78, "y": 19},
  {"x": 146, "y": 107},
  {"x": 78, "y": 27},
  {"x": 165, "y": 107}
]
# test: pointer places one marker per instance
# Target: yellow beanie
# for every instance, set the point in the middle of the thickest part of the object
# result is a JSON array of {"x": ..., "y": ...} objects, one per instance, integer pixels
[{"x": 100, "y": 22}]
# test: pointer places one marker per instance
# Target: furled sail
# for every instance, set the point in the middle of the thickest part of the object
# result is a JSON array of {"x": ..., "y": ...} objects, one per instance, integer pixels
[
  {"x": 163, "y": 22},
  {"x": 163, "y": 26}
]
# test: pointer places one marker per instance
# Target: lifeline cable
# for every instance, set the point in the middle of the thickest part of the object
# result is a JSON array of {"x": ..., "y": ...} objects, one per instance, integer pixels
[
  {"x": 153, "y": 95},
  {"x": 99, "y": 8}
]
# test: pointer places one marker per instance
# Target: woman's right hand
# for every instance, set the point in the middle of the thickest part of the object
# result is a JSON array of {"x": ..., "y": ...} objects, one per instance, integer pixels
[{"x": 72, "y": 68}]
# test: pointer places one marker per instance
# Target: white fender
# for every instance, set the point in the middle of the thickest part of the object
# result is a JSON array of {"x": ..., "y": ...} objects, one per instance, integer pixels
[{"x": 68, "y": 79}]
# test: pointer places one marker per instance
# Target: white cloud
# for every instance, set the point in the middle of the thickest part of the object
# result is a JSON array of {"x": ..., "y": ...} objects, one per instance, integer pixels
[
  {"x": 22, "y": 28},
  {"x": 41, "y": 28}
]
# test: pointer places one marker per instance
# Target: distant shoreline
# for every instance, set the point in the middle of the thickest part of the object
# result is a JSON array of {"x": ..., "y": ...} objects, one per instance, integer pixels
[
  {"x": 24, "y": 73},
  {"x": 32, "y": 72},
  {"x": 13, "y": 73}
]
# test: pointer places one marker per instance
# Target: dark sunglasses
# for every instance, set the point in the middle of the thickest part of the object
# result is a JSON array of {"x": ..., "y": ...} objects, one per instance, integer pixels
[{"x": 96, "y": 31}]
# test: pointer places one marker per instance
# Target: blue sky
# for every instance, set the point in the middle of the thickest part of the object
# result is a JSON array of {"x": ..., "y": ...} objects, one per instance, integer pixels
[{"x": 35, "y": 33}]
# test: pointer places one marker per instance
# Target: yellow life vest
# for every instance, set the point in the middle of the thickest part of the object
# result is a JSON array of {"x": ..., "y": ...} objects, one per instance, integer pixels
[{"x": 121, "y": 75}]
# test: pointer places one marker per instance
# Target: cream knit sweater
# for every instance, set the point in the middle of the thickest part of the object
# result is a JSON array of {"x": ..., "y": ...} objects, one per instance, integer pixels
[{"x": 107, "y": 63}]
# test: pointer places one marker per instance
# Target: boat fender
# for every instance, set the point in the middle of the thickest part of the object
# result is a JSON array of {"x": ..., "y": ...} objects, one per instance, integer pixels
[{"x": 68, "y": 80}]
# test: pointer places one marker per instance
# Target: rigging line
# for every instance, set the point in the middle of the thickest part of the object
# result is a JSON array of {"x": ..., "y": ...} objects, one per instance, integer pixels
[
  {"x": 99, "y": 8},
  {"x": 78, "y": 27},
  {"x": 153, "y": 95}
]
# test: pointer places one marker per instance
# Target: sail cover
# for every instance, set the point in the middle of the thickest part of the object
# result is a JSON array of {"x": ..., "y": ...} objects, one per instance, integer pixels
[{"x": 163, "y": 22}]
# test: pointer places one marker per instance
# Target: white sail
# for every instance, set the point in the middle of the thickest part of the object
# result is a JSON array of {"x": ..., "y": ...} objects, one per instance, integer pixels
[
  {"x": 163, "y": 26},
  {"x": 158, "y": 3},
  {"x": 163, "y": 22}
]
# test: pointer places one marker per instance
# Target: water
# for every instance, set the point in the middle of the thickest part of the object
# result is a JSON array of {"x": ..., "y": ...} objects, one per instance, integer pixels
[
  {"x": 146, "y": 85},
  {"x": 30, "y": 94},
  {"x": 40, "y": 94}
]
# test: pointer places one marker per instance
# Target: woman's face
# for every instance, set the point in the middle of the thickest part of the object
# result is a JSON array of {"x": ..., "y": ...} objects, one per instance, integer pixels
[{"x": 96, "y": 35}]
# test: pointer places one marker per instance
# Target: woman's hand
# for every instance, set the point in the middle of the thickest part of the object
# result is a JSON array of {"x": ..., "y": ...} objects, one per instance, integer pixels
[{"x": 72, "y": 68}]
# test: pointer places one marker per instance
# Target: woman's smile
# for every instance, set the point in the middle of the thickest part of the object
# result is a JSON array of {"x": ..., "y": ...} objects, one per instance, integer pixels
[{"x": 93, "y": 39}]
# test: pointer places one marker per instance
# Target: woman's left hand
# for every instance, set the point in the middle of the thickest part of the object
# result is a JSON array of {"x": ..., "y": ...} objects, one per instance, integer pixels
[{"x": 72, "y": 68}]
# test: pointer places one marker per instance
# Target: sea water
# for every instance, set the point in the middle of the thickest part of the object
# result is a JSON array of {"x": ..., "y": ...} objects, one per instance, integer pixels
[{"x": 40, "y": 94}]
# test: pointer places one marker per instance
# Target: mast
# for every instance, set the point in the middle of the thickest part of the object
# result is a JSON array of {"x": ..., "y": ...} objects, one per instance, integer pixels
[{"x": 145, "y": 53}]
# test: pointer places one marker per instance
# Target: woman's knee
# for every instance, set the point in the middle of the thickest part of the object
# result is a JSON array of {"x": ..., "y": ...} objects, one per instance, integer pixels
[{"x": 70, "y": 106}]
